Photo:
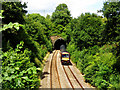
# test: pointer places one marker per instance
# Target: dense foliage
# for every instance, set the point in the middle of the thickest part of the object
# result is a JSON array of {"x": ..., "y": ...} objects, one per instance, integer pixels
[
  {"x": 17, "y": 70},
  {"x": 99, "y": 65},
  {"x": 13, "y": 12},
  {"x": 88, "y": 30},
  {"x": 93, "y": 42},
  {"x": 112, "y": 28},
  {"x": 95, "y": 46},
  {"x": 60, "y": 18},
  {"x": 22, "y": 64}
]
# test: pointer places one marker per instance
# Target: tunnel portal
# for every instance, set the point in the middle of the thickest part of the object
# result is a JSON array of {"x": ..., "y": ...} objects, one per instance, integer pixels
[{"x": 58, "y": 43}]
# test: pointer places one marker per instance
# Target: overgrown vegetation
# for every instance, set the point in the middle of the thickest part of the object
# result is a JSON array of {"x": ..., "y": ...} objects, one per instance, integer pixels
[
  {"x": 17, "y": 70},
  {"x": 95, "y": 46},
  {"x": 93, "y": 42},
  {"x": 22, "y": 63}
]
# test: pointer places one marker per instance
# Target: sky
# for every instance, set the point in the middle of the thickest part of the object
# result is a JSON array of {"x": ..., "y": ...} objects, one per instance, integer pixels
[{"x": 76, "y": 7}]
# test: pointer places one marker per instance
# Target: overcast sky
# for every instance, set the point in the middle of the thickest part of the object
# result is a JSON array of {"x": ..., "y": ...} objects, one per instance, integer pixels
[{"x": 76, "y": 7}]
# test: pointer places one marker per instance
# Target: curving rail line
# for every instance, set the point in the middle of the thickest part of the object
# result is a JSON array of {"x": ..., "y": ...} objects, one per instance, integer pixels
[
  {"x": 68, "y": 77},
  {"x": 57, "y": 71},
  {"x": 55, "y": 75},
  {"x": 74, "y": 77},
  {"x": 53, "y": 65}
]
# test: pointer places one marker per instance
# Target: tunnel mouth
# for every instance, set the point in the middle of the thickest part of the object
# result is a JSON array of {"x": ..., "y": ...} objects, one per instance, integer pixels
[{"x": 58, "y": 43}]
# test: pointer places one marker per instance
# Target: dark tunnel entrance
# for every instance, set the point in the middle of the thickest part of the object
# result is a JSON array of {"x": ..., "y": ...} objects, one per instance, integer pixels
[{"x": 58, "y": 43}]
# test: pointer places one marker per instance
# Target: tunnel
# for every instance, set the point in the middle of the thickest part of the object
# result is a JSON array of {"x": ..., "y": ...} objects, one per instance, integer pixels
[{"x": 58, "y": 43}]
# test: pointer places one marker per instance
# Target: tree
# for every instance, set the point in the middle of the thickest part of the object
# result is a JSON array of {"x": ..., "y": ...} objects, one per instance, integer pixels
[
  {"x": 87, "y": 31},
  {"x": 49, "y": 25},
  {"x": 13, "y": 12},
  {"x": 61, "y": 15},
  {"x": 36, "y": 29},
  {"x": 111, "y": 10}
]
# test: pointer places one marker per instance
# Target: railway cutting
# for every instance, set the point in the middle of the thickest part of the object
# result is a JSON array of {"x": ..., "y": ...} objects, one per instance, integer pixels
[{"x": 58, "y": 75}]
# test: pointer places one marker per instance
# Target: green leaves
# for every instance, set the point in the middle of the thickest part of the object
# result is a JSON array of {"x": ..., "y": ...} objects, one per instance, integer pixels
[
  {"x": 26, "y": 78},
  {"x": 97, "y": 64},
  {"x": 87, "y": 30},
  {"x": 1, "y": 11},
  {"x": 111, "y": 10},
  {"x": 17, "y": 70},
  {"x": 39, "y": 69},
  {"x": 11, "y": 25},
  {"x": 13, "y": 12},
  {"x": 61, "y": 16}
]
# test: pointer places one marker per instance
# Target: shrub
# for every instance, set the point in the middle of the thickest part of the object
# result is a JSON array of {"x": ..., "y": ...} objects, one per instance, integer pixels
[
  {"x": 98, "y": 65},
  {"x": 17, "y": 70}
]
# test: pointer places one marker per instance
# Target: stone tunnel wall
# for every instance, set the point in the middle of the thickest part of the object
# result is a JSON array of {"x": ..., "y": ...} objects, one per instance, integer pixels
[{"x": 57, "y": 41}]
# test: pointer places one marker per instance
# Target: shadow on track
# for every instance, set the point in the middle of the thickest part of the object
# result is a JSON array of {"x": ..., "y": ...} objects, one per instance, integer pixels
[{"x": 67, "y": 64}]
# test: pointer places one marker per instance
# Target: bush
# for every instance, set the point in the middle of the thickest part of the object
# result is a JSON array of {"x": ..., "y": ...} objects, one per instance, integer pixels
[
  {"x": 17, "y": 70},
  {"x": 98, "y": 65}
]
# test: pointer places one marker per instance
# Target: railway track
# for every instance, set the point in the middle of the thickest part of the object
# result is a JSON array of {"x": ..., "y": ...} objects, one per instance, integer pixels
[
  {"x": 72, "y": 75},
  {"x": 76, "y": 78},
  {"x": 61, "y": 76},
  {"x": 54, "y": 76}
]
